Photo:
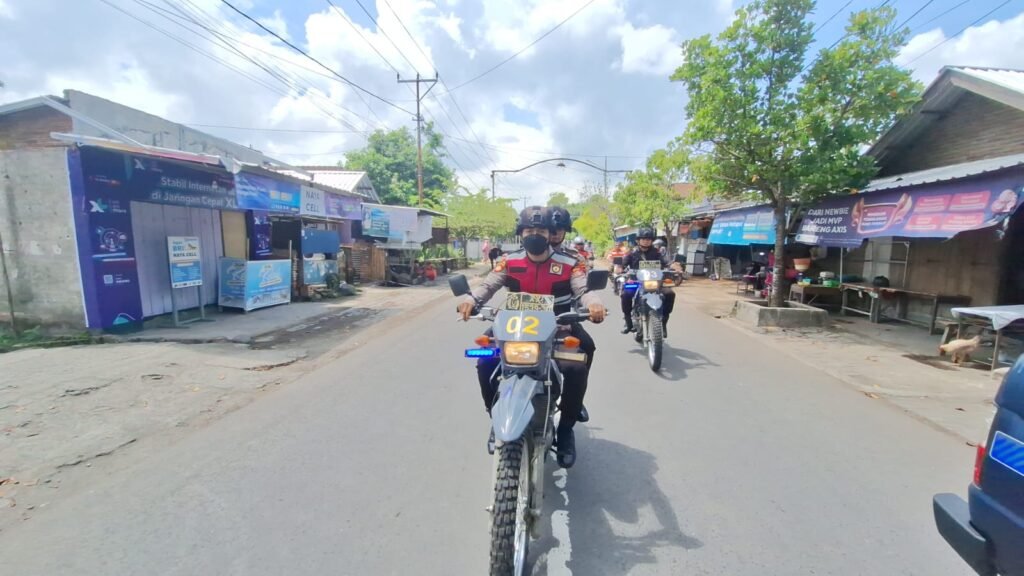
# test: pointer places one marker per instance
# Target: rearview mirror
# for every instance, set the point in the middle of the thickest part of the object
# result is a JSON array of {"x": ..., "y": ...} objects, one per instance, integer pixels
[
  {"x": 459, "y": 285},
  {"x": 617, "y": 261},
  {"x": 597, "y": 280}
]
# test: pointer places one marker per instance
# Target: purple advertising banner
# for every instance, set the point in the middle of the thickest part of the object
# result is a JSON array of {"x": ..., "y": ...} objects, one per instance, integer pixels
[
  {"x": 940, "y": 210},
  {"x": 258, "y": 224},
  {"x": 343, "y": 207},
  {"x": 106, "y": 245}
]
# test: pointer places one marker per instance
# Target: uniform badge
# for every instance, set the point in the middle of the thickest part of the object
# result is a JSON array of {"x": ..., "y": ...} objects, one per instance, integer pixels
[{"x": 556, "y": 268}]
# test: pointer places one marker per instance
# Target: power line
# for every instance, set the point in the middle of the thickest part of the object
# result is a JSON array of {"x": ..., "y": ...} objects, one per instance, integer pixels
[
  {"x": 524, "y": 49},
  {"x": 904, "y": 23},
  {"x": 386, "y": 35},
  {"x": 292, "y": 130},
  {"x": 341, "y": 14},
  {"x": 962, "y": 30},
  {"x": 832, "y": 17},
  {"x": 934, "y": 18},
  {"x": 307, "y": 55}
]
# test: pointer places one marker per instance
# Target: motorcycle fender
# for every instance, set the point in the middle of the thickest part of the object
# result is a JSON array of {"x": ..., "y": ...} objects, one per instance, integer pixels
[
  {"x": 512, "y": 412},
  {"x": 653, "y": 301}
]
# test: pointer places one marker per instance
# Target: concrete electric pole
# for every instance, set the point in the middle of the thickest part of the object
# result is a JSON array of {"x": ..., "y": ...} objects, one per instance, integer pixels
[{"x": 419, "y": 125}]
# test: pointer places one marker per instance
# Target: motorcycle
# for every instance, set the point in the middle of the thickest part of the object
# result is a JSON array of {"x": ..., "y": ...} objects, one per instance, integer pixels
[
  {"x": 646, "y": 284},
  {"x": 620, "y": 278},
  {"x": 528, "y": 343}
]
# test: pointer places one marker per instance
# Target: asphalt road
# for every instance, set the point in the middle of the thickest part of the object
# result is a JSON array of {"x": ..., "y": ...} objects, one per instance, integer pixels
[{"x": 734, "y": 461}]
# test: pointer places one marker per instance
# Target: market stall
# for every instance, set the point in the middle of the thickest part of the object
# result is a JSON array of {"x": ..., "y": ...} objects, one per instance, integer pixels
[{"x": 999, "y": 320}]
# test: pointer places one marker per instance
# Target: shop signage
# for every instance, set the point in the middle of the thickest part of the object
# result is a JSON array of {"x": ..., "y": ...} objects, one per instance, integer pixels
[
  {"x": 254, "y": 284},
  {"x": 744, "y": 227},
  {"x": 183, "y": 255},
  {"x": 313, "y": 202},
  {"x": 936, "y": 211},
  {"x": 376, "y": 222},
  {"x": 342, "y": 207},
  {"x": 160, "y": 182},
  {"x": 261, "y": 193}
]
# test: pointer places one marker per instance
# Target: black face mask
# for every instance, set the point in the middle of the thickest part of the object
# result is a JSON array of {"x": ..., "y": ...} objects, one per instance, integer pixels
[{"x": 535, "y": 244}]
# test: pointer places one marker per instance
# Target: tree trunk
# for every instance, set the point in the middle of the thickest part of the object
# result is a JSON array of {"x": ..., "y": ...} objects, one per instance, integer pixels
[{"x": 779, "y": 271}]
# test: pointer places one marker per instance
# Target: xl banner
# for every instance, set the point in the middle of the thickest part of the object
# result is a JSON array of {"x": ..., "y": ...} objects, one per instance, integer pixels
[
  {"x": 262, "y": 193},
  {"x": 744, "y": 227},
  {"x": 937, "y": 211}
]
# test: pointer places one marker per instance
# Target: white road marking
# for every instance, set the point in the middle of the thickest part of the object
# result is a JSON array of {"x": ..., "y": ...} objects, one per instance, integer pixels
[{"x": 559, "y": 556}]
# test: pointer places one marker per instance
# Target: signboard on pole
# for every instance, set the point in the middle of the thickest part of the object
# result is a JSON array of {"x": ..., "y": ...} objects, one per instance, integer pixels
[{"x": 183, "y": 256}]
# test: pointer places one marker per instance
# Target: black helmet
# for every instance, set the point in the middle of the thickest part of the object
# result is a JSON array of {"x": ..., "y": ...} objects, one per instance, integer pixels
[
  {"x": 645, "y": 233},
  {"x": 534, "y": 217},
  {"x": 560, "y": 218}
]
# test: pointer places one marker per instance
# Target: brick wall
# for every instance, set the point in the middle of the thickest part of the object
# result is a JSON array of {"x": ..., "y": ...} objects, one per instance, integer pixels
[
  {"x": 974, "y": 129},
  {"x": 31, "y": 128}
]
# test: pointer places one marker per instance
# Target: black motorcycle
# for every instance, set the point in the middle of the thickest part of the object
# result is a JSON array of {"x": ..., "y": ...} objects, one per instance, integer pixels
[{"x": 646, "y": 285}]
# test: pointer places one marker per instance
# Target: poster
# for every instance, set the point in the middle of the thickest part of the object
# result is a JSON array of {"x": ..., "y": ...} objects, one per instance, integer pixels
[
  {"x": 183, "y": 255},
  {"x": 375, "y": 222},
  {"x": 744, "y": 227},
  {"x": 342, "y": 207},
  {"x": 936, "y": 211},
  {"x": 262, "y": 193},
  {"x": 258, "y": 227}
]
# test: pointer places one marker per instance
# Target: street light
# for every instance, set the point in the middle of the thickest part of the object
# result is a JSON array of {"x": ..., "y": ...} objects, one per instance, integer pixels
[{"x": 561, "y": 164}]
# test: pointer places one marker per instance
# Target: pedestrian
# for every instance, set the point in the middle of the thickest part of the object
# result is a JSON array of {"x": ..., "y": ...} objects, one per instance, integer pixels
[{"x": 493, "y": 255}]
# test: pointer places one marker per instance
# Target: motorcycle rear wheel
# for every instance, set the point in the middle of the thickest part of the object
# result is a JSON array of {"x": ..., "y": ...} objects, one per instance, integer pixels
[
  {"x": 655, "y": 339},
  {"x": 510, "y": 516}
]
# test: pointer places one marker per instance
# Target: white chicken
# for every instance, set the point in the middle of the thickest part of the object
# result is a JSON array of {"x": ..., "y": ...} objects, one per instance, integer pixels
[{"x": 960, "y": 349}]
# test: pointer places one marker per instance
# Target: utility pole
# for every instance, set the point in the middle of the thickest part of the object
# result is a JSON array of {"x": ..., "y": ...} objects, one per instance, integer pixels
[
  {"x": 606, "y": 177},
  {"x": 419, "y": 124}
]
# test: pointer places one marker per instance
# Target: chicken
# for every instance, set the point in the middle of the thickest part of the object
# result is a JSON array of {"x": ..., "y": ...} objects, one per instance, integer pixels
[{"x": 960, "y": 349}]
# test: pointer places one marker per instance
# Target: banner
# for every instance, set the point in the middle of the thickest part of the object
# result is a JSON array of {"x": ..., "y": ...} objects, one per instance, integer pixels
[
  {"x": 375, "y": 222},
  {"x": 744, "y": 227},
  {"x": 160, "y": 182},
  {"x": 184, "y": 258},
  {"x": 940, "y": 210},
  {"x": 258, "y": 227},
  {"x": 262, "y": 193},
  {"x": 313, "y": 202},
  {"x": 342, "y": 207}
]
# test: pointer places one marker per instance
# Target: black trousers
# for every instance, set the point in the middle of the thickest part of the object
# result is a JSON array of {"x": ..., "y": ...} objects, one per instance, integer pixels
[
  {"x": 627, "y": 303},
  {"x": 574, "y": 375}
]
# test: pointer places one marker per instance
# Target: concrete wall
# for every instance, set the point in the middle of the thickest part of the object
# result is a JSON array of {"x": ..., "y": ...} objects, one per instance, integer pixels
[
  {"x": 974, "y": 129},
  {"x": 39, "y": 238},
  {"x": 31, "y": 128},
  {"x": 153, "y": 130}
]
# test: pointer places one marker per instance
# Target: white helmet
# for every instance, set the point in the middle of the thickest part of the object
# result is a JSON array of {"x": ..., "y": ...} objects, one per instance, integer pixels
[
  {"x": 659, "y": 243},
  {"x": 578, "y": 240}
]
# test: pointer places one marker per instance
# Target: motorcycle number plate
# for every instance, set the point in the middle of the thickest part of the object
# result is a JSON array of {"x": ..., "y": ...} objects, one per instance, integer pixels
[{"x": 649, "y": 265}]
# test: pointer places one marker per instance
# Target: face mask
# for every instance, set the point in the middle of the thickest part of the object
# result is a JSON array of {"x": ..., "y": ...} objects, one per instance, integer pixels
[{"x": 535, "y": 244}]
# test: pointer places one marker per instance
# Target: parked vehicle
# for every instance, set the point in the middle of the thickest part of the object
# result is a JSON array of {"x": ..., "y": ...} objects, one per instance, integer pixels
[
  {"x": 987, "y": 530},
  {"x": 528, "y": 342}
]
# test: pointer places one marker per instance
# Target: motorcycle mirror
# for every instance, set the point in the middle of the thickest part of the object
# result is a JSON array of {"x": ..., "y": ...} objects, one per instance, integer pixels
[
  {"x": 459, "y": 285},
  {"x": 617, "y": 261},
  {"x": 597, "y": 280}
]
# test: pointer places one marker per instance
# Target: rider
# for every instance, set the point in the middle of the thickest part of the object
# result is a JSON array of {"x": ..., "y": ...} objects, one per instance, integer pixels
[
  {"x": 561, "y": 219},
  {"x": 660, "y": 245},
  {"x": 645, "y": 250},
  {"x": 540, "y": 270},
  {"x": 580, "y": 245}
]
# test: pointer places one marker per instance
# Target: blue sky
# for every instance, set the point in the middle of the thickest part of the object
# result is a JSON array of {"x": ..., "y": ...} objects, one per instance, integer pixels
[{"x": 596, "y": 86}]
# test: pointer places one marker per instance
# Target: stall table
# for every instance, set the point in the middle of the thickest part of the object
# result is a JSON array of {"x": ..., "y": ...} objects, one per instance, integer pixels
[
  {"x": 800, "y": 293},
  {"x": 875, "y": 293},
  {"x": 995, "y": 318}
]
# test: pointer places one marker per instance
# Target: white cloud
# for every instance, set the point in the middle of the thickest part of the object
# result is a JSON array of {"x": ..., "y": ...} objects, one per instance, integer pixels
[
  {"x": 513, "y": 24},
  {"x": 993, "y": 44},
  {"x": 277, "y": 24},
  {"x": 652, "y": 50},
  {"x": 5, "y": 10}
]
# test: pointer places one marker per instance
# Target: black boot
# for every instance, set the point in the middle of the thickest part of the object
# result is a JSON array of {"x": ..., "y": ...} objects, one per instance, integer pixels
[
  {"x": 628, "y": 327},
  {"x": 566, "y": 444},
  {"x": 584, "y": 415}
]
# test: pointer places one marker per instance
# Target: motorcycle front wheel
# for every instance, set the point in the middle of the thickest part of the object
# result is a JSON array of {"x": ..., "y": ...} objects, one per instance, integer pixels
[
  {"x": 510, "y": 516},
  {"x": 655, "y": 338}
]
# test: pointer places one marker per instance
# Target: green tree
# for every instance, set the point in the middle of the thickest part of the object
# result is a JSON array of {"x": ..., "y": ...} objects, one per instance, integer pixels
[
  {"x": 767, "y": 124},
  {"x": 389, "y": 159},
  {"x": 647, "y": 198},
  {"x": 559, "y": 199},
  {"x": 478, "y": 216}
]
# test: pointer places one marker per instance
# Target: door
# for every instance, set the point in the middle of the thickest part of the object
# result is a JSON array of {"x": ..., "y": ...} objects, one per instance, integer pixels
[{"x": 152, "y": 224}]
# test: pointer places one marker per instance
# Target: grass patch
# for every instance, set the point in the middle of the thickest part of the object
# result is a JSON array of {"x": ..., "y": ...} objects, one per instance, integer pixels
[{"x": 35, "y": 338}]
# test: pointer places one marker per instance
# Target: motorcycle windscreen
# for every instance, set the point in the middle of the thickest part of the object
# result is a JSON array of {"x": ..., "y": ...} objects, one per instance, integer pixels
[{"x": 513, "y": 410}]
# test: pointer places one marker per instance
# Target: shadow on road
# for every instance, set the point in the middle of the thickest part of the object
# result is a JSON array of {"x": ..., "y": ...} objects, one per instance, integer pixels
[
  {"x": 675, "y": 362},
  {"x": 617, "y": 514}
]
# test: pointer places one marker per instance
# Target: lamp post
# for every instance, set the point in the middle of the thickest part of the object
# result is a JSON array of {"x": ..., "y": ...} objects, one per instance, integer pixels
[{"x": 561, "y": 164}]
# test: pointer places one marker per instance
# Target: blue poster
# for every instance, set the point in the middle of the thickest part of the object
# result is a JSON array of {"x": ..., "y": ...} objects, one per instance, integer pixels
[
  {"x": 337, "y": 206},
  {"x": 376, "y": 222},
  {"x": 162, "y": 182},
  {"x": 744, "y": 227},
  {"x": 185, "y": 274},
  {"x": 262, "y": 193},
  {"x": 106, "y": 247},
  {"x": 258, "y": 227}
]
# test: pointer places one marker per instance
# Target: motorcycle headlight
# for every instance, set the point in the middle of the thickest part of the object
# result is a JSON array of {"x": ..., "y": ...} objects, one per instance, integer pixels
[
  {"x": 521, "y": 353},
  {"x": 650, "y": 285}
]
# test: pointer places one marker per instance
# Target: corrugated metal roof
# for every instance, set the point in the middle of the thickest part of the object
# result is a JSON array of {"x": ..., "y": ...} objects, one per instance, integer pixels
[
  {"x": 355, "y": 182},
  {"x": 944, "y": 173},
  {"x": 1005, "y": 77}
]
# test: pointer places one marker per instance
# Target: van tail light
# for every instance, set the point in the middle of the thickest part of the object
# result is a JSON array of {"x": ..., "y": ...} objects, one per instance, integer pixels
[{"x": 979, "y": 460}]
